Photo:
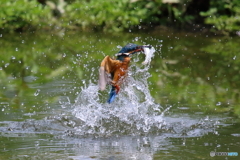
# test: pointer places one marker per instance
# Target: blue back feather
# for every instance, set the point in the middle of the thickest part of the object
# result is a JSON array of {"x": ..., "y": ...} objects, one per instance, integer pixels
[{"x": 128, "y": 48}]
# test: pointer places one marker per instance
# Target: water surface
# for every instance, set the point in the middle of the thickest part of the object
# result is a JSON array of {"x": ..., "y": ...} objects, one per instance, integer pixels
[{"x": 182, "y": 106}]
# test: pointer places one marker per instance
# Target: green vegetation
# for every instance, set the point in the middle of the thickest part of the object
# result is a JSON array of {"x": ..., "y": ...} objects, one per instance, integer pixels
[
  {"x": 107, "y": 15},
  {"x": 224, "y": 16},
  {"x": 118, "y": 15},
  {"x": 22, "y": 15}
]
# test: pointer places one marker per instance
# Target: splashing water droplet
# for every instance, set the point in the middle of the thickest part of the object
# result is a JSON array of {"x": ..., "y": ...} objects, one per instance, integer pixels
[
  {"x": 238, "y": 33},
  {"x": 119, "y": 46},
  {"x": 6, "y": 65},
  {"x": 136, "y": 38},
  {"x": 149, "y": 53},
  {"x": 132, "y": 112},
  {"x": 37, "y": 92}
]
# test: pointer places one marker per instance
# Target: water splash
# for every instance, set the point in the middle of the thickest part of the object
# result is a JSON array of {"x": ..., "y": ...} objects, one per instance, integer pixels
[
  {"x": 37, "y": 92},
  {"x": 149, "y": 53},
  {"x": 133, "y": 112}
]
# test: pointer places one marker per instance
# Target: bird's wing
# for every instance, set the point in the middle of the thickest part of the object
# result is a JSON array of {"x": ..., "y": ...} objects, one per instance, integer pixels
[{"x": 107, "y": 67}]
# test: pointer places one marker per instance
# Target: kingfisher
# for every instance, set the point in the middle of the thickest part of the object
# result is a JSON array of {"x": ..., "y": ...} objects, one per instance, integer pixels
[{"x": 114, "y": 71}]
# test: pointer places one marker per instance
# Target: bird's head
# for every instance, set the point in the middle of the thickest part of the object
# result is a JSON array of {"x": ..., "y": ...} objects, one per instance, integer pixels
[{"x": 131, "y": 49}]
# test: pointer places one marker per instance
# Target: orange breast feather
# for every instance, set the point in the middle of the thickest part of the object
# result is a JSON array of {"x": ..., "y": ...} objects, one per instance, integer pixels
[{"x": 113, "y": 67}]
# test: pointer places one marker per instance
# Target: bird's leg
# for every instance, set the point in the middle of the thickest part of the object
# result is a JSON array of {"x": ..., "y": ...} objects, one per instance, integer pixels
[{"x": 117, "y": 88}]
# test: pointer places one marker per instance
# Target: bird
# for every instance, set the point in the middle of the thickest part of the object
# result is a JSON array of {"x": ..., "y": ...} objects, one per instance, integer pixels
[{"x": 114, "y": 71}]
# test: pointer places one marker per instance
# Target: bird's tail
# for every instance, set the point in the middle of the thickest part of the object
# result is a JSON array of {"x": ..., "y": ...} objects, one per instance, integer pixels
[{"x": 112, "y": 95}]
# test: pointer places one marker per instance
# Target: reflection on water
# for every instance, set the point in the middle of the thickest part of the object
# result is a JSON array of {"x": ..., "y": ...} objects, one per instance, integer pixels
[{"x": 51, "y": 107}]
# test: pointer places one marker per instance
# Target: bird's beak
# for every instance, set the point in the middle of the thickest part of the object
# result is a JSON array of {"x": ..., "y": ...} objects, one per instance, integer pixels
[
  {"x": 147, "y": 46},
  {"x": 138, "y": 49}
]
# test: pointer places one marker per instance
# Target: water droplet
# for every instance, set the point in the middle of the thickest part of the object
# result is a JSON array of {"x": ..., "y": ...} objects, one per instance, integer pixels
[
  {"x": 23, "y": 41},
  {"x": 136, "y": 38},
  {"x": 234, "y": 58},
  {"x": 218, "y": 103},
  {"x": 184, "y": 143},
  {"x": 238, "y": 33},
  {"x": 37, "y": 144},
  {"x": 6, "y": 65},
  {"x": 16, "y": 49},
  {"x": 37, "y": 92},
  {"x": 207, "y": 118},
  {"x": 119, "y": 46}
]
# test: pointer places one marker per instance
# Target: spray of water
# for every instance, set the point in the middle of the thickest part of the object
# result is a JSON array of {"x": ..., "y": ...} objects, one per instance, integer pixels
[{"x": 133, "y": 112}]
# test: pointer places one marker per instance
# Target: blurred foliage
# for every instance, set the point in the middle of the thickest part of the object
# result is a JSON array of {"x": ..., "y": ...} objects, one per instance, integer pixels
[
  {"x": 223, "y": 16},
  {"x": 23, "y": 15},
  {"x": 117, "y": 15}
]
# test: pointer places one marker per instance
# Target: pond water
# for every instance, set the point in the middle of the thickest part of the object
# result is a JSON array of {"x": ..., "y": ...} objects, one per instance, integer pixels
[{"x": 183, "y": 105}]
